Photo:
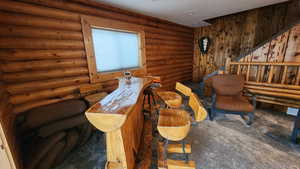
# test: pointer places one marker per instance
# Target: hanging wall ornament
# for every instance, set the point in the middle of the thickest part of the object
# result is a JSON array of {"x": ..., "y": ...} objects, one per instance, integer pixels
[{"x": 204, "y": 43}]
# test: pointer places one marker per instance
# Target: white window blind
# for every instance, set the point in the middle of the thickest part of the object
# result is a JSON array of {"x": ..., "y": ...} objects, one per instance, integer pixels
[{"x": 115, "y": 50}]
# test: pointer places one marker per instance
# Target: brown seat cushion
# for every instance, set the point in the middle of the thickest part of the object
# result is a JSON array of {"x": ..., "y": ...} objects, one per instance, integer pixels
[
  {"x": 234, "y": 103},
  {"x": 228, "y": 85}
]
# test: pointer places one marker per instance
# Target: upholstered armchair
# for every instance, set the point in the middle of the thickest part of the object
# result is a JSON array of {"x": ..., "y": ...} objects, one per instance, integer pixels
[{"x": 229, "y": 97}]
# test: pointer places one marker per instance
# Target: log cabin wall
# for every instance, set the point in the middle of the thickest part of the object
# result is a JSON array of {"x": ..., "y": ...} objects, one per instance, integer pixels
[
  {"x": 237, "y": 34},
  {"x": 42, "y": 51},
  {"x": 10, "y": 156}
]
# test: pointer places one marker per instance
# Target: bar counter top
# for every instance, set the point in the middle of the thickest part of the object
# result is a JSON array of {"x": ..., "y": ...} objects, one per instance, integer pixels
[{"x": 111, "y": 112}]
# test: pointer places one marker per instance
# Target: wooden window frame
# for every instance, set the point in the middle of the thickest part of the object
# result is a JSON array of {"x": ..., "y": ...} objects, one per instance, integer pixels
[{"x": 89, "y": 22}]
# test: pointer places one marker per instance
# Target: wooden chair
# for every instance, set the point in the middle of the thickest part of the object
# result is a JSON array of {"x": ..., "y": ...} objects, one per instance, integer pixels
[
  {"x": 228, "y": 97},
  {"x": 174, "y": 124},
  {"x": 173, "y": 99}
]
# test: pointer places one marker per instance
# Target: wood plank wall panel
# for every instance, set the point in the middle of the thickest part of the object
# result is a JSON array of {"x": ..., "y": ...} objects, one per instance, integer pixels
[
  {"x": 237, "y": 34},
  {"x": 42, "y": 51},
  {"x": 283, "y": 48}
]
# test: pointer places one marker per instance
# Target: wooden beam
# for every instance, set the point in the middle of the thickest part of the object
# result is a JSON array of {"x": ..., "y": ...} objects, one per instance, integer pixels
[
  {"x": 284, "y": 86},
  {"x": 270, "y": 93},
  {"x": 35, "y": 54},
  {"x": 177, "y": 148},
  {"x": 275, "y": 90},
  {"x": 36, "y": 21},
  {"x": 268, "y": 63},
  {"x": 42, "y": 65},
  {"x": 180, "y": 164}
]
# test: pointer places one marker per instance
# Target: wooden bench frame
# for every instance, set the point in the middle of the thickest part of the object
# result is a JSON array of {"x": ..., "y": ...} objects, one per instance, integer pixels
[{"x": 265, "y": 86}]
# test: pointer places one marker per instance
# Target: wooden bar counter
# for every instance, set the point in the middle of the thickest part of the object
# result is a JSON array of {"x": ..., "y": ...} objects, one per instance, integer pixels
[{"x": 120, "y": 116}]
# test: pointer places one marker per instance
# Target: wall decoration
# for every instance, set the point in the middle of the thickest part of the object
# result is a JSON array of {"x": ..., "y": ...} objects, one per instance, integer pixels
[{"x": 204, "y": 44}]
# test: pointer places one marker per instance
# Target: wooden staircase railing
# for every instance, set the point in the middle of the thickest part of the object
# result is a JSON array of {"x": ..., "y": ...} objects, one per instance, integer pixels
[{"x": 272, "y": 82}]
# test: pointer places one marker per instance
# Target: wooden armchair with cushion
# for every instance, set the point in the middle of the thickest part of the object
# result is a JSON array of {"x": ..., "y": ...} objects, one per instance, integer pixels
[{"x": 228, "y": 97}]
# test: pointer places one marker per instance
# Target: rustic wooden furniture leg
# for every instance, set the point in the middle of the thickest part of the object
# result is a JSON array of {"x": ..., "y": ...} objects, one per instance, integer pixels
[{"x": 296, "y": 129}]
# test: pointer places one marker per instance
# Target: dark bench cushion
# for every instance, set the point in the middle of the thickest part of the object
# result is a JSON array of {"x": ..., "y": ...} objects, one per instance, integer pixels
[
  {"x": 53, "y": 112},
  {"x": 69, "y": 123},
  {"x": 39, "y": 151}
]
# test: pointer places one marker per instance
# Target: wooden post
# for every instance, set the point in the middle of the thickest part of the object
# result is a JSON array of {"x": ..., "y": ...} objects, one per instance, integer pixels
[
  {"x": 298, "y": 77},
  {"x": 262, "y": 71},
  {"x": 238, "y": 70},
  {"x": 270, "y": 77},
  {"x": 248, "y": 72},
  {"x": 258, "y": 73},
  {"x": 227, "y": 65},
  {"x": 284, "y": 75}
]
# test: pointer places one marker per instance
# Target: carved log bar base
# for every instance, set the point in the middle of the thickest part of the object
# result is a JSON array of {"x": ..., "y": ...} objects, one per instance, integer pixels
[
  {"x": 144, "y": 156},
  {"x": 128, "y": 134}
]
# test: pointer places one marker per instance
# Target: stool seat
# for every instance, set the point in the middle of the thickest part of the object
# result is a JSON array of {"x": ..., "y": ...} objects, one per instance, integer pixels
[
  {"x": 173, "y": 124},
  {"x": 171, "y": 99}
]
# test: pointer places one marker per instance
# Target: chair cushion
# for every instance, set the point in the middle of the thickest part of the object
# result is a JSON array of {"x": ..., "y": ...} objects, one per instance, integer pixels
[
  {"x": 171, "y": 99},
  {"x": 233, "y": 103},
  {"x": 228, "y": 85},
  {"x": 173, "y": 118}
]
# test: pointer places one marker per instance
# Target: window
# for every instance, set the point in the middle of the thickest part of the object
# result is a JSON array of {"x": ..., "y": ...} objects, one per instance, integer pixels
[
  {"x": 113, "y": 47},
  {"x": 115, "y": 50}
]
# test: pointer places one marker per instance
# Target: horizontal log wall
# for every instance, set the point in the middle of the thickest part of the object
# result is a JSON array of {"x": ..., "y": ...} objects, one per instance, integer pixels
[
  {"x": 43, "y": 57},
  {"x": 8, "y": 132},
  {"x": 235, "y": 35}
]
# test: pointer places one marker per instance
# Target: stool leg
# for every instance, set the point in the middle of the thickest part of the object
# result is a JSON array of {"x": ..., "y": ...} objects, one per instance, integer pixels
[
  {"x": 149, "y": 101},
  {"x": 152, "y": 95},
  {"x": 155, "y": 104},
  {"x": 166, "y": 149},
  {"x": 185, "y": 154},
  {"x": 144, "y": 99},
  {"x": 294, "y": 136},
  {"x": 295, "y": 129}
]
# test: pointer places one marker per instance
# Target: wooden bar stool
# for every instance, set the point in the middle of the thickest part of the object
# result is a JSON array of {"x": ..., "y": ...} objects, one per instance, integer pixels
[
  {"x": 173, "y": 99},
  {"x": 149, "y": 94},
  {"x": 174, "y": 125}
]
